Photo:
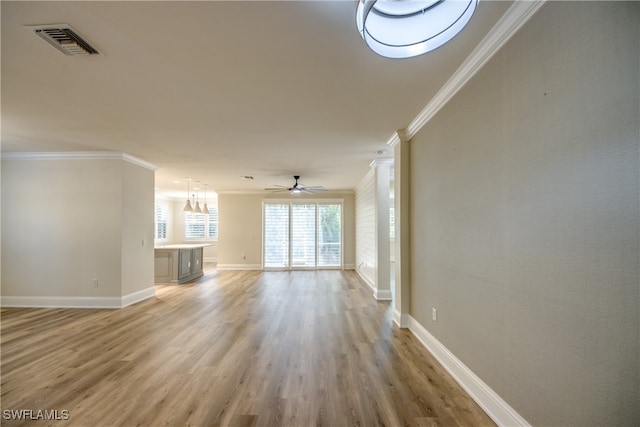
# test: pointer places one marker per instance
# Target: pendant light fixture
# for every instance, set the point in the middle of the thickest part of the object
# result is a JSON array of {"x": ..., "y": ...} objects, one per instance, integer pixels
[
  {"x": 197, "y": 209},
  {"x": 193, "y": 204},
  {"x": 187, "y": 206},
  {"x": 205, "y": 208},
  {"x": 407, "y": 28}
]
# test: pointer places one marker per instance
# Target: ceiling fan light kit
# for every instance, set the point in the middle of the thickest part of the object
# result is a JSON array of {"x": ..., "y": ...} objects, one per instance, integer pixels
[
  {"x": 407, "y": 28},
  {"x": 296, "y": 188}
]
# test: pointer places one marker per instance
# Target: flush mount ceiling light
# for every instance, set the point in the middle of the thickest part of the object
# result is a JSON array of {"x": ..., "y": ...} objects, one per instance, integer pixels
[{"x": 406, "y": 28}]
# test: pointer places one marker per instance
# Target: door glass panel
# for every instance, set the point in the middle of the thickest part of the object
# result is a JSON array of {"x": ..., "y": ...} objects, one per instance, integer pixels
[
  {"x": 329, "y": 235},
  {"x": 276, "y": 235},
  {"x": 303, "y": 235}
]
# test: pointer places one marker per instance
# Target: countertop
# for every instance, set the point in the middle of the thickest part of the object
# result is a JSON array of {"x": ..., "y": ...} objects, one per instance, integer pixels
[{"x": 183, "y": 246}]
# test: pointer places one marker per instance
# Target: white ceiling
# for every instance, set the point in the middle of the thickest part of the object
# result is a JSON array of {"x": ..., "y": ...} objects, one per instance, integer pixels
[{"x": 215, "y": 90}]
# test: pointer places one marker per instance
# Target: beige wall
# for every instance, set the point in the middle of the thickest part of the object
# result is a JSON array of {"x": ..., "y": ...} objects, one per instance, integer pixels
[
  {"x": 525, "y": 218},
  {"x": 137, "y": 228},
  {"x": 240, "y": 232},
  {"x": 89, "y": 225}
]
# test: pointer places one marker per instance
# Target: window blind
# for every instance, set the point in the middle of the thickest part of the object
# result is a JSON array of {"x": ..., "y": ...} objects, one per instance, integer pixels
[
  {"x": 194, "y": 226},
  {"x": 213, "y": 223},
  {"x": 276, "y": 235},
  {"x": 160, "y": 221},
  {"x": 303, "y": 235}
]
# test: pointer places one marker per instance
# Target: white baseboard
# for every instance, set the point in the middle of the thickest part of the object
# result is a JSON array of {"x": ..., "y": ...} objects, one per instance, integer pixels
[
  {"x": 380, "y": 295},
  {"x": 61, "y": 302},
  {"x": 138, "y": 296},
  {"x": 239, "y": 267},
  {"x": 210, "y": 259},
  {"x": 499, "y": 410},
  {"x": 366, "y": 280},
  {"x": 349, "y": 266},
  {"x": 383, "y": 295},
  {"x": 78, "y": 302},
  {"x": 402, "y": 320}
]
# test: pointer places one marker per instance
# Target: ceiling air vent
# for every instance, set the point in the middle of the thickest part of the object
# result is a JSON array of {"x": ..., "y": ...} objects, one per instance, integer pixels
[{"x": 65, "y": 39}]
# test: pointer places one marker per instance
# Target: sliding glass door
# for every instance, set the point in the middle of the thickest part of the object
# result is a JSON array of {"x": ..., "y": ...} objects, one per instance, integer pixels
[{"x": 302, "y": 234}]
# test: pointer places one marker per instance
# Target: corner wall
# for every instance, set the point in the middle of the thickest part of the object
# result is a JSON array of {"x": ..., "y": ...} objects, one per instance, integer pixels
[
  {"x": 68, "y": 221},
  {"x": 525, "y": 218}
]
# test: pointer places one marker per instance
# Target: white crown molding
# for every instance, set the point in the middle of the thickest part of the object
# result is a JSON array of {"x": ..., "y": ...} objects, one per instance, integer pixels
[
  {"x": 497, "y": 409},
  {"x": 243, "y": 192},
  {"x": 399, "y": 136},
  {"x": 80, "y": 155},
  {"x": 513, "y": 19},
  {"x": 136, "y": 161},
  {"x": 394, "y": 140}
]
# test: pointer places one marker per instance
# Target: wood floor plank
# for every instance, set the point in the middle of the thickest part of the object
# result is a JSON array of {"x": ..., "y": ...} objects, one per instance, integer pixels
[{"x": 236, "y": 348}]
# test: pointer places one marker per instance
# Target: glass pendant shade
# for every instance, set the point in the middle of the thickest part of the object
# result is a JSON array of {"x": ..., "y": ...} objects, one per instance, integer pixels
[
  {"x": 407, "y": 28},
  {"x": 197, "y": 208},
  {"x": 205, "y": 209}
]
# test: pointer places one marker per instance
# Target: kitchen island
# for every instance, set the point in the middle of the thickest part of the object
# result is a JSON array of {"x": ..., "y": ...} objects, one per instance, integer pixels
[{"x": 179, "y": 263}]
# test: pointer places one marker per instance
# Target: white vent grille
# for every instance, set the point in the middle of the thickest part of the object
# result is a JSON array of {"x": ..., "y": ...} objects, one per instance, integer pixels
[{"x": 65, "y": 39}]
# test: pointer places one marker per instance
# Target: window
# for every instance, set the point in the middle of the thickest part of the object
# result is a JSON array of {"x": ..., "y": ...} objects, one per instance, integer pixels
[
  {"x": 198, "y": 226},
  {"x": 302, "y": 234},
  {"x": 160, "y": 222}
]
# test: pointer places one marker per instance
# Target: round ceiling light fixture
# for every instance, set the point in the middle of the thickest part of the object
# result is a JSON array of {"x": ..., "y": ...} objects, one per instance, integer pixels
[{"x": 407, "y": 28}]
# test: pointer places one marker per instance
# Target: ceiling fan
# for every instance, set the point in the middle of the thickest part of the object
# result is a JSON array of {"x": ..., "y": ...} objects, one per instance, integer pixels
[{"x": 296, "y": 188}]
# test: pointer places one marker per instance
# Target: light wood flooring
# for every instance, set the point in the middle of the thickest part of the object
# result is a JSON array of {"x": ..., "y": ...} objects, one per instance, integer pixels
[{"x": 302, "y": 348}]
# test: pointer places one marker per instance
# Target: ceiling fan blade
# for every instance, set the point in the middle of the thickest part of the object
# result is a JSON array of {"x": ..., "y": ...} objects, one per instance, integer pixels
[
  {"x": 316, "y": 188},
  {"x": 277, "y": 189}
]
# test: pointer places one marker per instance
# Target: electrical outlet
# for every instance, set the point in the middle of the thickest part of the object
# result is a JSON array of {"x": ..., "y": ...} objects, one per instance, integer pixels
[
  {"x": 94, "y": 283},
  {"x": 434, "y": 314}
]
